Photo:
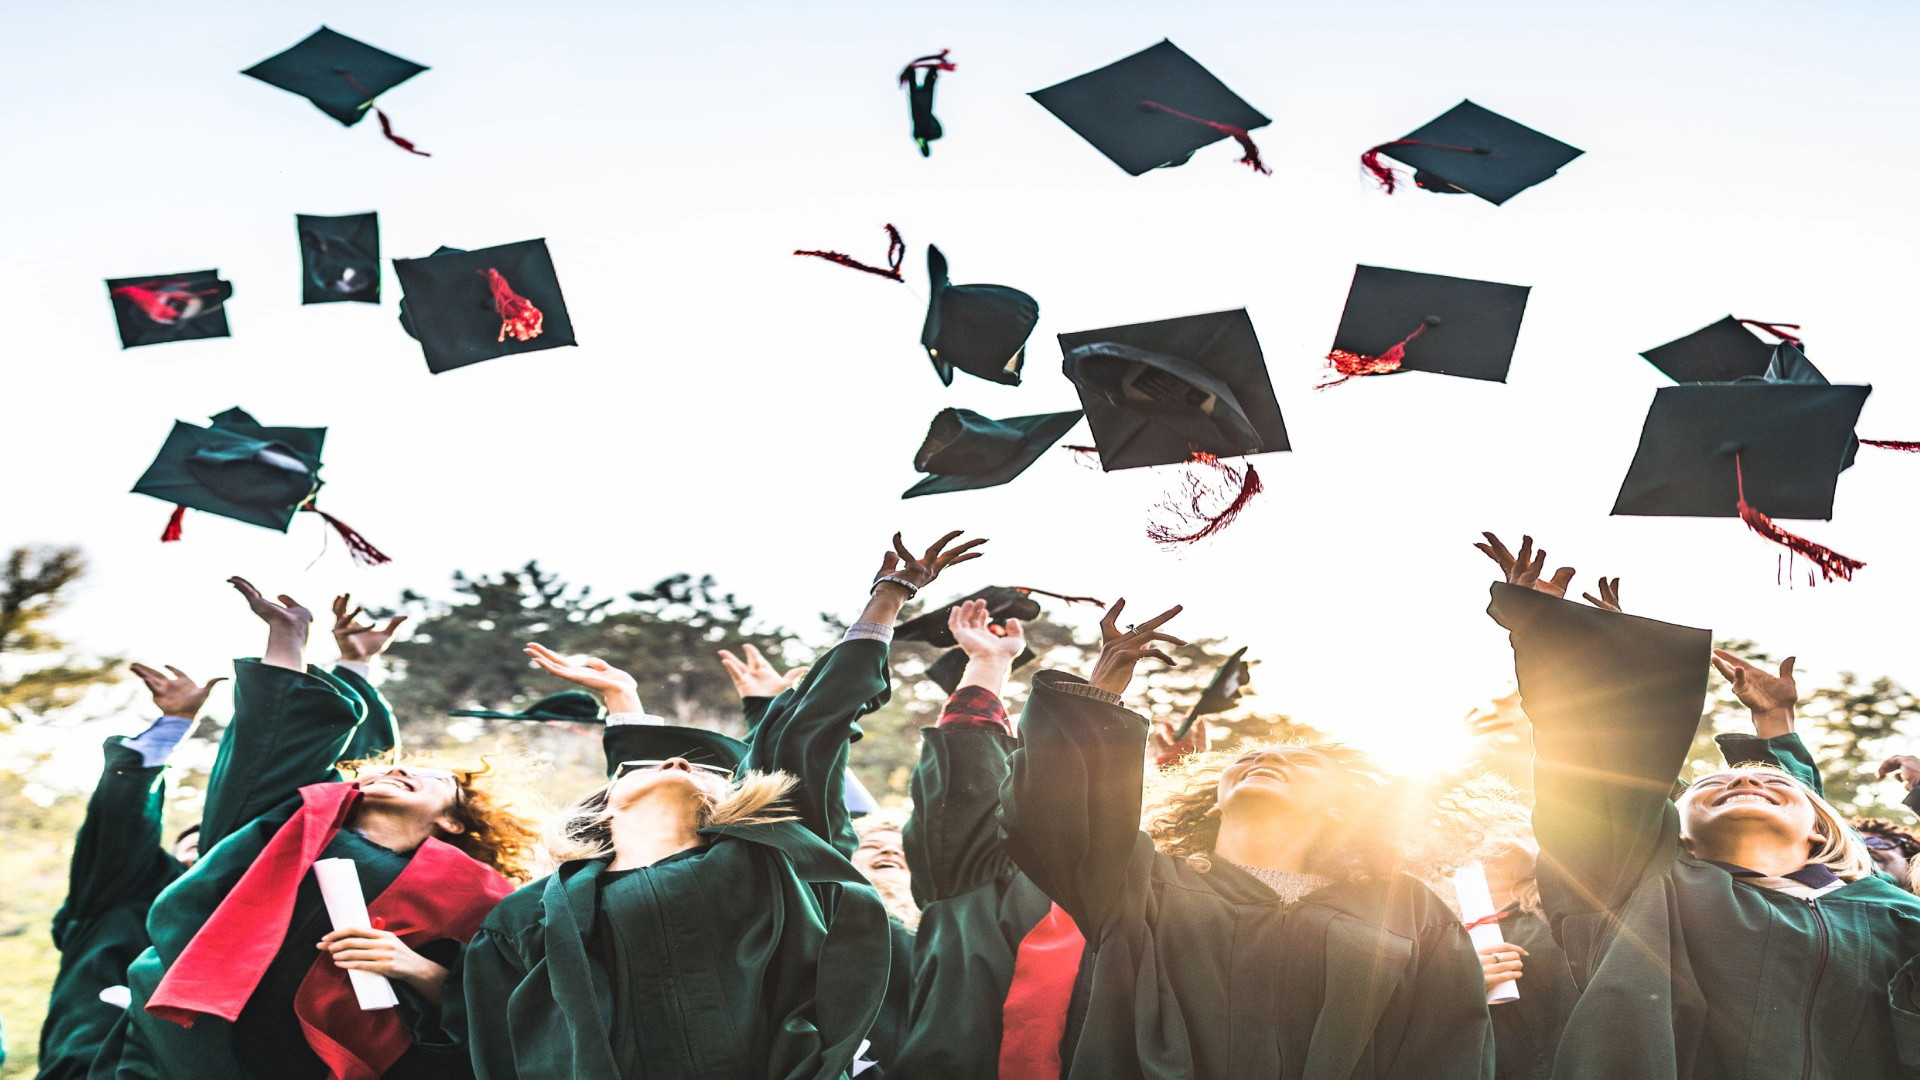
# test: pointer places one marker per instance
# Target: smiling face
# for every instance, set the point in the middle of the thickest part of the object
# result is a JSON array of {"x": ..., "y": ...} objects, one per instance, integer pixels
[
  {"x": 1285, "y": 776},
  {"x": 1737, "y": 804},
  {"x": 672, "y": 778},
  {"x": 881, "y": 857},
  {"x": 421, "y": 792}
]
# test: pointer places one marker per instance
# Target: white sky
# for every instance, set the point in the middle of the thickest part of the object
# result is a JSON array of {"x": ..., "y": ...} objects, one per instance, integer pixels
[{"x": 739, "y": 411}]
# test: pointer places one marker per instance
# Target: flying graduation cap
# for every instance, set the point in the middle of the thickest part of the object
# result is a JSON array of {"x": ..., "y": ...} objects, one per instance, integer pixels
[
  {"x": 341, "y": 76},
  {"x": 964, "y": 450},
  {"x": 564, "y": 707},
  {"x": 1753, "y": 450},
  {"x": 170, "y": 307},
  {"x": 1471, "y": 150},
  {"x": 238, "y": 468},
  {"x": 468, "y": 306},
  {"x": 1223, "y": 693},
  {"x": 979, "y": 329},
  {"x": 1397, "y": 320},
  {"x": 339, "y": 258},
  {"x": 1154, "y": 109},
  {"x": 1720, "y": 352},
  {"x": 1003, "y": 603},
  {"x": 1191, "y": 390},
  {"x": 918, "y": 77}
]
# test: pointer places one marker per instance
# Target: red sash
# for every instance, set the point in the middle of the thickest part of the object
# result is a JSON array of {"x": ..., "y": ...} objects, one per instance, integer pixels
[{"x": 1034, "y": 1020}]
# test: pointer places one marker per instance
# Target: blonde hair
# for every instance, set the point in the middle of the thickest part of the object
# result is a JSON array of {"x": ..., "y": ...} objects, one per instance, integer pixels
[
  {"x": 493, "y": 830},
  {"x": 583, "y": 831},
  {"x": 1377, "y": 825},
  {"x": 1839, "y": 849}
]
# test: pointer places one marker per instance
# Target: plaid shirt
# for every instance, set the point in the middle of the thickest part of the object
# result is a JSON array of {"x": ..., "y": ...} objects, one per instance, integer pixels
[{"x": 976, "y": 707}]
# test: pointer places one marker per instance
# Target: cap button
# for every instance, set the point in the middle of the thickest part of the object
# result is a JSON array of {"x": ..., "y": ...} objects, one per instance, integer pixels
[
  {"x": 1431, "y": 320},
  {"x": 1728, "y": 449}
]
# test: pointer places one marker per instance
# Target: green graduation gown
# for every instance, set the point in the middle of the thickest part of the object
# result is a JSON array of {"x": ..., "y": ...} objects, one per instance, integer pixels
[
  {"x": 1210, "y": 974},
  {"x": 1685, "y": 971},
  {"x": 762, "y": 955},
  {"x": 288, "y": 730},
  {"x": 119, "y": 865},
  {"x": 1526, "y": 1032}
]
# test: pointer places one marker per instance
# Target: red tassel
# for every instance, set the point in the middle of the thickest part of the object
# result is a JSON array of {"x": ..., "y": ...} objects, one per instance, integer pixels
[
  {"x": 1189, "y": 520},
  {"x": 386, "y": 126},
  {"x": 1830, "y": 563},
  {"x": 1778, "y": 330},
  {"x": 1022, "y": 589},
  {"x": 1087, "y": 457},
  {"x": 157, "y": 300},
  {"x": 1388, "y": 177},
  {"x": 1348, "y": 365},
  {"x": 1893, "y": 444},
  {"x": 172, "y": 532},
  {"x": 1251, "y": 155},
  {"x": 896, "y": 252},
  {"x": 363, "y": 552},
  {"x": 933, "y": 61},
  {"x": 517, "y": 314}
]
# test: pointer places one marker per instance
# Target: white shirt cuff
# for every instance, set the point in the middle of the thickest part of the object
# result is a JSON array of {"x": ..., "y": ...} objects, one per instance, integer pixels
[
  {"x": 635, "y": 718},
  {"x": 358, "y": 667},
  {"x": 1087, "y": 690},
  {"x": 869, "y": 631}
]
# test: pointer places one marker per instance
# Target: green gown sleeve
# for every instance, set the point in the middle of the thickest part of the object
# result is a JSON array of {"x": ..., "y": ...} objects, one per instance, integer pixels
[
  {"x": 119, "y": 854},
  {"x": 952, "y": 838},
  {"x": 1614, "y": 700},
  {"x": 477, "y": 1005},
  {"x": 378, "y": 733},
  {"x": 1070, "y": 808},
  {"x": 1786, "y": 752},
  {"x": 288, "y": 730},
  {"x": 807, "y": 730}
]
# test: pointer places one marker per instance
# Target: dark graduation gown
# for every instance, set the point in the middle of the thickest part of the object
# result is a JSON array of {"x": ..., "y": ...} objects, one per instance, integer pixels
[
  {"x": 119, "y": 865},
  {"x": 976, "y": 906},
  {"x": 288, "y": 730},
  {"x": 761, "y": 955},
  {"x": 1684, "y": 970},
  {"x": 1526, "y": 1031},
  {"x": 1209, "y": 974}
]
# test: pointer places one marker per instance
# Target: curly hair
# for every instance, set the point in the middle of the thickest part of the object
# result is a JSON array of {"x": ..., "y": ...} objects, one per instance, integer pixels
[
  {"x": 494, "y": 830},
  {"x": 583, "y": 829},
  {"x": 1377, "y": 824}
]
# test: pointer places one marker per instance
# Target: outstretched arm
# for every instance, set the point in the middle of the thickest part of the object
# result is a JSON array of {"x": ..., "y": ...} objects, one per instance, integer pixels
[
  {"x": 361, "y": 645},
  {"x": 757, "y": 682},
  {"x": 1771, "y": 699}
]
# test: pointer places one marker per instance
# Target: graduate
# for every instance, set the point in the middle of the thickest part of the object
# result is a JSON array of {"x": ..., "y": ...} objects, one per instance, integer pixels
[
  {"x": 1264, "y": 926},
  {"x": 1738, "y": 930},
  {"x": 705, "y": 921},
  {"x": 246, "y": 977}
]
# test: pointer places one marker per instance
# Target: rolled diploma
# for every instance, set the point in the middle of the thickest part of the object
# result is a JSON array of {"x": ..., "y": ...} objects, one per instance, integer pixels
[
  {"x": 347, "y": 907},
  {"x": 1476, "y": 902}
]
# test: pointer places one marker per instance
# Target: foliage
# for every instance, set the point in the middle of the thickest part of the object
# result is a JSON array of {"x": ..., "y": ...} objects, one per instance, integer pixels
[{"x": 38, "y": 671}]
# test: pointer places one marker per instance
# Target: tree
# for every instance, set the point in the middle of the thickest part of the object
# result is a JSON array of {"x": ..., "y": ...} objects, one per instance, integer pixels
[{"x": 38, "y": 671}]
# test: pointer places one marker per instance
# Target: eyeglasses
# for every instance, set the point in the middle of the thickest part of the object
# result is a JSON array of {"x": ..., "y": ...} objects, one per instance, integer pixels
[
  {"x": 374, "y": 772},
  {"x": 626, "y": 767},
  {"x": 1882, "y": 843}
]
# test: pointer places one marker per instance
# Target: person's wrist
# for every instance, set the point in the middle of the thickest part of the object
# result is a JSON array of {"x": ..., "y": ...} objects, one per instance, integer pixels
[
  {"x": 905, "y": 588},
  {"x": 623, "y": 701},
  {"x": 1773, "y": 722}
]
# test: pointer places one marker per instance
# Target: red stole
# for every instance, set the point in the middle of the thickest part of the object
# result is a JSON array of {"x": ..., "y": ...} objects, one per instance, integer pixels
[
  {"x": 442, "y": 893},
  {"x": 1034, "y": 1020}
]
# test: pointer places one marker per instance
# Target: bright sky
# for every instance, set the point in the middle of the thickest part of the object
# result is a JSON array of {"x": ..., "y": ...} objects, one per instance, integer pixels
[{"x": 738, "y": 411}]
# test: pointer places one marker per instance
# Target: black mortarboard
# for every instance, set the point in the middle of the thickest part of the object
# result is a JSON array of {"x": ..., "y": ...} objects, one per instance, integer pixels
[
  {"x": 1788, "y": 364},
  {"x": 1722, "y": 352},
  {"x": 170, "y": 307},
  {"x": 1464, "y": 327},
  {"x": 1153, "y": 109},
  {"x": 340, "y": 75},
  {"x": 919, "y": 77},
  {"x": 339, "y": 258},
  {"x": 1470, "y": 149},
  {"x": 1003, "y": 603},
  {"x": 964, "y": 450},
  {"x": 658, "y": 742},
  {"x": 468, "y": 306},
  {"x": 1221, "y": 694},
  {"x": 564, "y": 707},
  {"x": 1155, "y": 393},
  {"x": 980, "y": 329}
]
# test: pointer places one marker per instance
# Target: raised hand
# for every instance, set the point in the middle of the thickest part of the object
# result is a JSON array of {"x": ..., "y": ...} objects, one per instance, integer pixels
[
  {"x": 177, "y": 694},
  {"x": 621, "y": 691},
  {"x": 1903, "y": 767},
  {"x": 287, "y": 626},
  {"x": 1609, "y": 598},
  {"x": 921, "y": 571},
  {"x": 975, "y": 632},
  {"x": 755, "y": 677},
  {"x": 1166, "y": 750},
  {"x": 1121, "y": 650},
  {"x": 1525, "y": 568},
  {"x": 360, "y": 643}
]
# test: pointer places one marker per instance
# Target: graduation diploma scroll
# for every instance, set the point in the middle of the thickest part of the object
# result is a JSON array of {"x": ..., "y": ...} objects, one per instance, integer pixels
[
  {"x": 347, "y": 906},
  {"x": 1476, "y": 903}
]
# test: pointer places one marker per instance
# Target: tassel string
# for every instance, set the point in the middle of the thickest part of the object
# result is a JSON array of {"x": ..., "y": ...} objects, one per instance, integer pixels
[
  {"x": 1188, "y": 519},
  {"x": 1830, "y": 563},
  {"x": 362, "y": 550},
  {"x": 1778, "y": 330},
  {"x": 386, "y": 126},
  {"x": 1901, "y": 445},
  {"x": 1389, "y": 177},
  {"x": 171, "y": 534},
  {"x": 930, "y": 62},
  {"x": 896, "y": 254},
  {"x": 156, "y": 300},
  {"x": 1347, "y": 365},
  {"x": 1057, "y": 596},
  {"x": 1250, "y": 155},
  {"x": 518, "y": 316}
]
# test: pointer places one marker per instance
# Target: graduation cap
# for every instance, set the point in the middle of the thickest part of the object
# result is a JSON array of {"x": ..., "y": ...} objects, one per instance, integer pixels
[
  {"x": 659, "y": 742},
  {"x": 564, "y": 707},
  {"x": 980, "y": 329},
  {"x": 1003, "y": 603},
  {"x": 1397, "y": 320},
  {"x": 339, "y": 258},
  {"x": 918, "y": 77},
  {"x": 1755, "y": 450},
  {"x": 1223, "y": 693},
  {"x": 1154, "y": 109},
  {"x": 341, "y": 76},
  {"x": 1471, "y": 150},
  {"x": 238, "y": 468},
  {"x": 1721, "y": 352},
  {"x": 468, "y": 306},
  {"x": 160, "y": 308},
  {"x": 964, "y": 450}
]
